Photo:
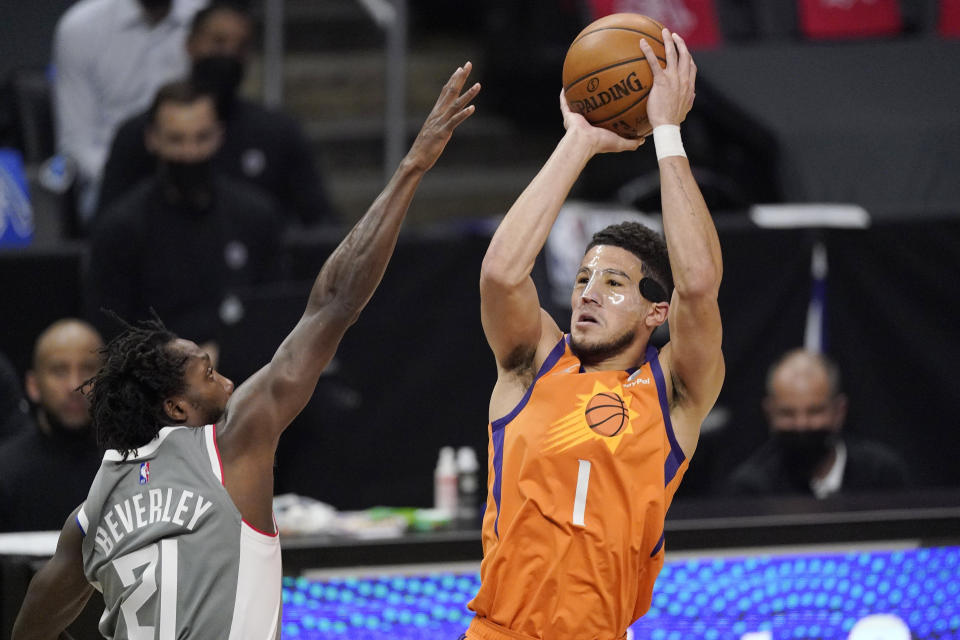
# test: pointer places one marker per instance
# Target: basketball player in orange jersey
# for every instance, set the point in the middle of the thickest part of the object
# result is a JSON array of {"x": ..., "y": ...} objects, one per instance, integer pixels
[{"x": 591, "y": 431}]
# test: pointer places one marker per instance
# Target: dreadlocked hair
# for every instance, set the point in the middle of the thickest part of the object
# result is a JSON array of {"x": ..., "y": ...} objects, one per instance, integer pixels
[
  {"x": 126, "y": 395},
  {"x": 645, "y": 243}
]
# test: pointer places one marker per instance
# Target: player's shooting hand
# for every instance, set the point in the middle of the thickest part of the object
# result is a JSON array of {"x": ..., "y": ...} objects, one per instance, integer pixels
[
  {"x": 451, "y": 109},
  {"x": 673, "y": 87},
  {"x": 600, "y": 140}
]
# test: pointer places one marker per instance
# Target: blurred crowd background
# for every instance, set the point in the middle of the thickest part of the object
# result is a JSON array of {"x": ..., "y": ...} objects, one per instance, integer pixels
[{"x": 201, "y": 159}]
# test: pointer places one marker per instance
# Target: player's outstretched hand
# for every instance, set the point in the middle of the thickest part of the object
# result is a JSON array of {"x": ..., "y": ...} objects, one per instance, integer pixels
[
  {"x": 451, "y": 109},
  {"x": 601, "y": 140},
  {"x": 673, "y": 87}
]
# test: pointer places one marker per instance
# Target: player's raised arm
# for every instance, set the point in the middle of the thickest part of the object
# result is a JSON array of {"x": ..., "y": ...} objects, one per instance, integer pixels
[
  {"x": 510, "y": 308},
  {"x": 693, "y": 354},
  {"x": 58, "y": 591},
  {"x": 263, "y": 406}
]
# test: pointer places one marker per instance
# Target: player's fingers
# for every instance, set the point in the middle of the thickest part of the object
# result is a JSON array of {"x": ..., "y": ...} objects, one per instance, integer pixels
[
  {"x": 651, "y": 57},
  {"x": 683, "y": 53},
  {"x": 564, "y": 107},
  {"x": 467, "y": 97},
  {"x": 671, "y": 49},
  {"x": 459, "y": 78},
  {"x": 453, "y": 86},
  {"x": 449, "y": 89},
  {"x": 460, "y": 116},
  {"x": 683, "y": 56},
  {"x": 684, "y": 59}
]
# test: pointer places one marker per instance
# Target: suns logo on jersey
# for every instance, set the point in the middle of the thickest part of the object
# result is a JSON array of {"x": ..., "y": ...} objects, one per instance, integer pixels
[
  {"x": 572, "y": 429},
  {"x": 144, "y": 472}
]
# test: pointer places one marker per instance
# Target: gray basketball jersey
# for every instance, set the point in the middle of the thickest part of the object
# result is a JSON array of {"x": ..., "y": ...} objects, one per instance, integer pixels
[{"x": 170, "y": 551}]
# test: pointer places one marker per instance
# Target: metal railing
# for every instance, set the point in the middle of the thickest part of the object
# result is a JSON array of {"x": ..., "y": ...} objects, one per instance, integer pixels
[{"x": 391, "y": 17}]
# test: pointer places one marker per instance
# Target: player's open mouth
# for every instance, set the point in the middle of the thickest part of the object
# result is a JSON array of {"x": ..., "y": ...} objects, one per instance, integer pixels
[{"x": 587, "y": 318}]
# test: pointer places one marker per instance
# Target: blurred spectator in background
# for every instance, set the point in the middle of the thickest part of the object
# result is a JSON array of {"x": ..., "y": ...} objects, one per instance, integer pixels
[
  {"x": 110, "y": 57},
  {"x": 262, "y": 146},
  {"x": 12, "y": 402},
  {"x": 45, "y": 470},
  {"x": 808, "y": 453},
  {"x": 187, "y": 239}
]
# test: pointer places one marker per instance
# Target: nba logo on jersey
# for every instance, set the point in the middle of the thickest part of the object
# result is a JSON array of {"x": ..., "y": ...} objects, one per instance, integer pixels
[{"x": 144, "y": 472}]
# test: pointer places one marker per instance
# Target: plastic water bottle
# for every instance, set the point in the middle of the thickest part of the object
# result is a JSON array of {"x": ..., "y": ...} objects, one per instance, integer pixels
[
  {"x": 468, "y": 486},
  {"x": 445, "y": 483}
]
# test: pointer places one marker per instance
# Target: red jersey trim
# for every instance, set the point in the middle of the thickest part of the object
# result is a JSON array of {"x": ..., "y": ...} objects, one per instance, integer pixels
[{"x": 216, "y": 450}]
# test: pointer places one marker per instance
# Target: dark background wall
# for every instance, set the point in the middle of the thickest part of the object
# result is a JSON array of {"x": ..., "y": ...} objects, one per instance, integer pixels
[
  {"x": 776, "y": 118},
  {"x": 415, "y": 374}
]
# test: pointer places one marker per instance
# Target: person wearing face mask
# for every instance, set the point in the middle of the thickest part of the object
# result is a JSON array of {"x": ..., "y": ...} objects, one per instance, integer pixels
[
  {"x": 186, "y": 239},
  {"x": 109, "y": 59},
  {"x": 263, "y": 146},
  {"x": 44, "y": 470},
  {"x": 807, "y": 452}
]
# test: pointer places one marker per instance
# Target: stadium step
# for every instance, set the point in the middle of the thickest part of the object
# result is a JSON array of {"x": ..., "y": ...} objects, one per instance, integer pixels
[{"x": 334, "y": 83}]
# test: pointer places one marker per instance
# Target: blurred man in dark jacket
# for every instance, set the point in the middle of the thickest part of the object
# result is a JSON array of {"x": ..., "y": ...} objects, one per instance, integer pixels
[
  {"x": 807, "y": 452},
  {"x": 46, "y": 469},
  {"x": 187, "y": 240},
  {"x": 261, "y": 146}
]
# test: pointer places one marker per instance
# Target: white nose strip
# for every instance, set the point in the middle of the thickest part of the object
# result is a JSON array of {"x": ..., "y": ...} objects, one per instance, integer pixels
[
  {"x": 595, "y": 286},
  {"x": 590, "y": 284}
]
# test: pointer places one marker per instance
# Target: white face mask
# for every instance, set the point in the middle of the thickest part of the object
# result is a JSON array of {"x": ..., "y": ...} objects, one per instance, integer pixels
[{"x": 612, "y": 286}]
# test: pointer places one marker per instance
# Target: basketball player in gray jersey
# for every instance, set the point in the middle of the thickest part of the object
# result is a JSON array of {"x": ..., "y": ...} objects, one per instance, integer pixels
[{"x": 177, "y": 530}]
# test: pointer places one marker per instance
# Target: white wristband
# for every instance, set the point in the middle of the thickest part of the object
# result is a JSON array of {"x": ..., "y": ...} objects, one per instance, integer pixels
[{"x": 666, "y": 140}]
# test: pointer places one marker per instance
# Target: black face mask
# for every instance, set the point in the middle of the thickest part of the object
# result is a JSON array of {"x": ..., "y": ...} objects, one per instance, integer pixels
[
  {"x": 156, "y": 6},
  {"x": 221, "y": 76},
  {"x": 804, "y": 450},
  {"x": 187, "y": 184}
]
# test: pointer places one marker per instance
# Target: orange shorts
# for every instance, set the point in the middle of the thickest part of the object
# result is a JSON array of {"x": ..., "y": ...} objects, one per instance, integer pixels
[{"x": 483, "y": 629}]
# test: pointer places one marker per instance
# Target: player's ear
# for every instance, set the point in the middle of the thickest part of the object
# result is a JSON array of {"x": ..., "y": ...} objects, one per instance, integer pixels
[
  {"x": 175, "y": 408},
  {"x": 657, "y": 314}
]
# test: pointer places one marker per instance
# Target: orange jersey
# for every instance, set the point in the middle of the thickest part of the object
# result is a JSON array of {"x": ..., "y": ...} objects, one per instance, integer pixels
[{"x": 573, "y": 531}]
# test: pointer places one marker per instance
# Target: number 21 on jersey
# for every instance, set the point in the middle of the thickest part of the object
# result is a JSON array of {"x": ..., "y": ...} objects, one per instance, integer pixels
[{"x": 166, "y": 553}]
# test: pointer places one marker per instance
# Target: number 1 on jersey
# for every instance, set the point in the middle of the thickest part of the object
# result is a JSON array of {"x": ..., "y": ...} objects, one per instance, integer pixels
[{"x": 580, "y": 499}]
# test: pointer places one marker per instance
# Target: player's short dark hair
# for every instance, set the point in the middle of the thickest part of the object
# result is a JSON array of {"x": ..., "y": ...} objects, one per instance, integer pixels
[
  {"x": 201, "y": 17},
  {"x": 643, "y": 242},
  {"x": 178, "y": 92},
  {"x": 139, "y": 372}
]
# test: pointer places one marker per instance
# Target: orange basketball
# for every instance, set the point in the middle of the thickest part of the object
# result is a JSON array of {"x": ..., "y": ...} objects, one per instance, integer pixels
[
  {"x": 606, "y": 77},
  {"x": 606, "y": 414}
]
